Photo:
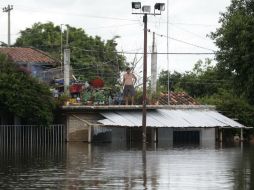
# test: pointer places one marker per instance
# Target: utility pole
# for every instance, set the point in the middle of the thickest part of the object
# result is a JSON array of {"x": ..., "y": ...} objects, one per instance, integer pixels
[
  {"x": 66, "y": 65},
  {"x": 8, "y": 10},
  {"x": 66, "y": 70},
  {"x": 168, "y": 51},
  {"x": 61, "y": 36},
  {"x": 146, "y": 11},
  {"x": 144, "y": 80},
  {"x": 154, "y": 66},
  {"x": 67, "y": 35}
]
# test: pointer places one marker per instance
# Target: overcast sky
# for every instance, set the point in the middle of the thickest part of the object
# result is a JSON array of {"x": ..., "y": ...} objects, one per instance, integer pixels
[{"x": 189, "y": 21}]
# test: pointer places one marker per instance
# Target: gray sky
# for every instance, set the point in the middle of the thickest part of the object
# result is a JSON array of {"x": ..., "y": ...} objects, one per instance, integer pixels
[{"x": 189, "y": 20}]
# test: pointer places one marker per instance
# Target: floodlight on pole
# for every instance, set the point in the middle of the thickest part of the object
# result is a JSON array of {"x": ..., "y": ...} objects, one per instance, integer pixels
[
  {"x": 160, "y": 6},
  {"x": 146, "y": 11},
  {"x": 136, "y": 5}
]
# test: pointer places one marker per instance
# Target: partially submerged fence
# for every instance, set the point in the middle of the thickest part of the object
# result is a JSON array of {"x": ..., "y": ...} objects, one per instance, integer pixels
[{"x": 32, "y": 134}]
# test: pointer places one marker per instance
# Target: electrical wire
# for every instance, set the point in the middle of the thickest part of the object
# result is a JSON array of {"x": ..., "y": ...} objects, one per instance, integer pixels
[
  {"x": 75, "y": 14},
  {"x": 192, "y": 33},
  {"x": 26, "y": 8},
  {"x": 159, "y": 53},
  {"x": 181, "y": 41}
]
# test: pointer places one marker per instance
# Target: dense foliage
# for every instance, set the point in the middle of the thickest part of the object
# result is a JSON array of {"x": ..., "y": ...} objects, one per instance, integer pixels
[
  {"x": 90, "y": 56},
  {"x": 23, "y": 95},
  {"x": 203, "y": 80},
  {"x": 207, "y": 84},
  {"x": 235, "y": 39},
  {"x": 230, "y": 83}
]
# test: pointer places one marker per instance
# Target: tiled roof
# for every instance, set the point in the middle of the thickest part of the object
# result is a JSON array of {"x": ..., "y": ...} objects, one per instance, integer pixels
[
  {"x": 181, "y": 98},
  {"x": 28, "y": 55}
]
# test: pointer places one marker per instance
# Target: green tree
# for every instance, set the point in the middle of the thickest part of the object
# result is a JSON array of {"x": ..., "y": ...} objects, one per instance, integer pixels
[
  {"x": 203, "y": 80},
  {"x": 231, "y": 105},
  {"x": 23, "y": 95},
  {"x": 235, "y": 39},
  {"x": 209, "y": 86},
  {"x": 90, "y": 56}
]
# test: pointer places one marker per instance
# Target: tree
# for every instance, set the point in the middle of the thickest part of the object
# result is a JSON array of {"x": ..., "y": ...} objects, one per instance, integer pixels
[
  {"x": 231, "y": 105},
  {"x": 90, "y": 56},
  {"x": 207, "y": 84},
  {"x": 235, "y": 39},
  {"x": 203, "y": 80},
  {"x": 23, "y": 95}
]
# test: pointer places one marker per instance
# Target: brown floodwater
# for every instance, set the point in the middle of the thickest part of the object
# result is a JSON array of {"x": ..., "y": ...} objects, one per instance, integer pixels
[{"x": 119, "y": 166}]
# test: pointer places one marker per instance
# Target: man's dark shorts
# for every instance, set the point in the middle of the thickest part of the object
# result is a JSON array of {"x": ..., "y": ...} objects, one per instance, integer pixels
[{"x": 128, "y": 90}]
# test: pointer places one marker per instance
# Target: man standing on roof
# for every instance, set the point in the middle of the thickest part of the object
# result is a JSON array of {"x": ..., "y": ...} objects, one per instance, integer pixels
[{"x": 129, "y": 79}]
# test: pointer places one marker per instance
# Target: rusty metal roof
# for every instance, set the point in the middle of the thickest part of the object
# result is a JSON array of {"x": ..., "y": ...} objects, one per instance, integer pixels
[
  {"x": 177, "y": 98},
  {"x": 28, "y": 55},
  {"x": 178, "y": 118}
]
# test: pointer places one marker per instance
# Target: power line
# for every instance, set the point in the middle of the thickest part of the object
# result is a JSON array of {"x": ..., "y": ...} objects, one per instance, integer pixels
[
  {"x": 181, "y": 41},
  {"x": 111, "y": 26},
  {"x": 110, "y": 18},
  {"x": 79, "y": 15},
  {"x": 159, "y": 53},
  {"x": 193, "y": 33}
]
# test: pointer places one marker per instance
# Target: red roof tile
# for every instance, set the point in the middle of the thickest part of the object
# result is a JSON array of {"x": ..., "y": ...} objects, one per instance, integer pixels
[
  {"x": 28, "y": 55},
  {"x": 181, "y": 98}
]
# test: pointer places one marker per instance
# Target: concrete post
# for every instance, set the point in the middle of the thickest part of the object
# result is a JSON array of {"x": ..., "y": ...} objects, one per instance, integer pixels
[
  {"x": 8, "y": 10},
  {"x": 154, "y": 66},
  {"x": 66, "y": 70},
  {"x": 154, "y": 135},
  {"x": 9, "y": 27},
  {"x": 89, "y": 134}
]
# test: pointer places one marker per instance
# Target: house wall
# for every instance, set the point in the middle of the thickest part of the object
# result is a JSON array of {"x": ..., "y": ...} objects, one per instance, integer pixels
[
  {"x": 118, "y": 135},
  {"x": 207, "y": 135},
  {"x": 80, "y": 128},
  {"x": 77, "y": 130}
]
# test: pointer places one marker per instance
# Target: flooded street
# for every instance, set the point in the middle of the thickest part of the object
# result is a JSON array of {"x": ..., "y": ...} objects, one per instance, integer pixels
[{"x": 111, "y": 166}]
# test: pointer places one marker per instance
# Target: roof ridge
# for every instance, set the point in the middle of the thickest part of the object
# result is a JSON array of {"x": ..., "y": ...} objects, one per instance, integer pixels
[{"x": 45, "y": 53}]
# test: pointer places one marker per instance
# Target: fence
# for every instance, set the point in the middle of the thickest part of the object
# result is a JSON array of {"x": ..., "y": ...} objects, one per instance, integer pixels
[{"x": 32, "y": 134}]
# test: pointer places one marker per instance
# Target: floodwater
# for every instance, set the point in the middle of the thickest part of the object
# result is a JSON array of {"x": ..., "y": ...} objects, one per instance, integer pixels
[{"x": 115, "y": 166}]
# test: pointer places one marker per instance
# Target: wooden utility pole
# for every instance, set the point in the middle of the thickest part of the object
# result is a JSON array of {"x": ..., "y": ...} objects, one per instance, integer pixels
[{"x": 144, "y": 79}]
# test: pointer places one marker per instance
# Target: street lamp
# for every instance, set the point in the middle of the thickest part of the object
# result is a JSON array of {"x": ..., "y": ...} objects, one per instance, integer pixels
[{"x": 146, "y": 10}]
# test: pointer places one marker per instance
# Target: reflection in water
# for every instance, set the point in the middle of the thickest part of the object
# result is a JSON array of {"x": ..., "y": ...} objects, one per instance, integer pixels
[{"x": 110, "y": 166}]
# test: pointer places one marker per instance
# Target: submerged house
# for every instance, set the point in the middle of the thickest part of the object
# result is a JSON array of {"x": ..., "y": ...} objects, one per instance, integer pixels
[
  {"x": 184, "y": 121},
  {"x": 33, "y": 61}
]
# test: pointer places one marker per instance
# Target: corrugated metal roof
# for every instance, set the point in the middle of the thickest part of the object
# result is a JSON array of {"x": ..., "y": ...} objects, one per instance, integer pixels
[{"x": 169, "y": 118}]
